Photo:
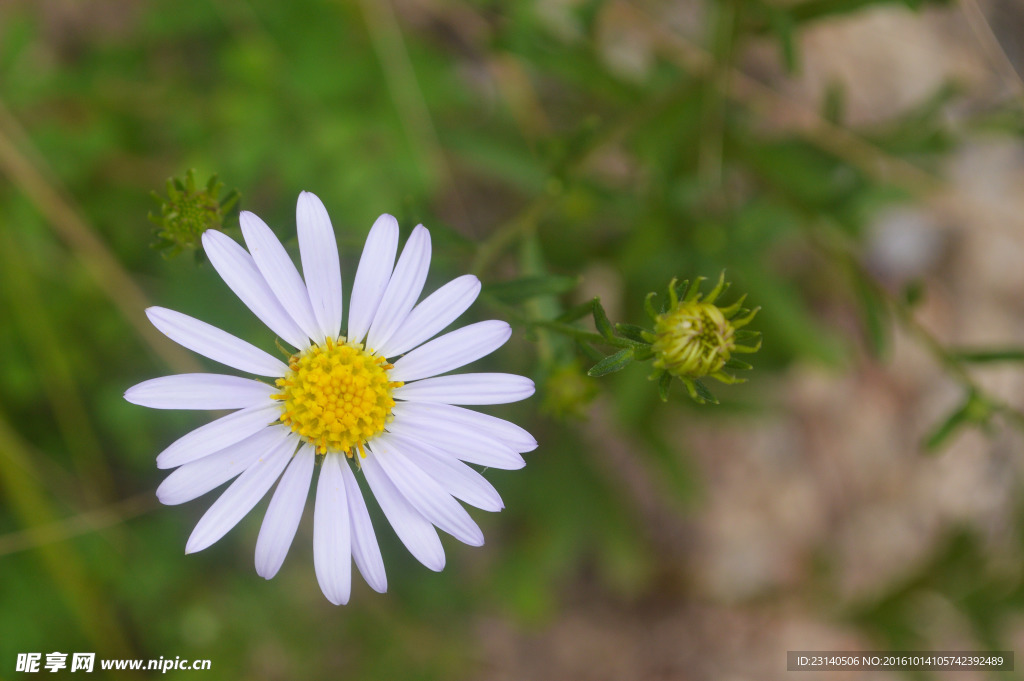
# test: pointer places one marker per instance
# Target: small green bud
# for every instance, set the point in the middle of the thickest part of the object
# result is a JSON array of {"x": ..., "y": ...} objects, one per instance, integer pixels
[
  {"x": 189, "y": 211},
  {"x": 567, "y": 393},
  {"x": 694, "y": 338}
]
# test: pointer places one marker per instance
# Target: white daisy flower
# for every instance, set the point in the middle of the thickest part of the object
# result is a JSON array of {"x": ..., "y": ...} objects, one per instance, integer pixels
[{"x": 373, "y": 398}]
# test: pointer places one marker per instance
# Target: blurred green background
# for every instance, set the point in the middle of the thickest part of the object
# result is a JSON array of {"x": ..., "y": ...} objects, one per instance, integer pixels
[{"x": 855, "y": 166}]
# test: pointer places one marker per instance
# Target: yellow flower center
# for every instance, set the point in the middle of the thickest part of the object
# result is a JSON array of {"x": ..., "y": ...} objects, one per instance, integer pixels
[
  {"x": 693, "y": 340},
  {"x": 336, "y": 396}
]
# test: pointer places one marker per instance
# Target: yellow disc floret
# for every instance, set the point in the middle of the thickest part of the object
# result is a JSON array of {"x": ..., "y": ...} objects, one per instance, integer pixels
[{"x": 336, "y": 396}]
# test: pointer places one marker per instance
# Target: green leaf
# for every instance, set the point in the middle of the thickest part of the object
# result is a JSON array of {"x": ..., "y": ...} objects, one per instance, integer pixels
[
  {"x": 734, "y": 363},
  {"x": 632, "y": 332},
  {"x": 590, "y": 351},
  {"x": 612, "y": 363},
  {"x": 604, "y": 327},
  {"x": 575, "y": 312},
  {"x": 519, "y": 290}
]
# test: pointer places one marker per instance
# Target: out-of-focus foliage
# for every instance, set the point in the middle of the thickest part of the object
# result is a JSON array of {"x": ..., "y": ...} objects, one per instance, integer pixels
[{"x": 540, "y": 158}]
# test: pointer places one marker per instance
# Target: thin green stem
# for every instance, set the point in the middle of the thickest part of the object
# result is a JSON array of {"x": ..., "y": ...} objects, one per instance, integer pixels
[{"x": 583, "y": 335}]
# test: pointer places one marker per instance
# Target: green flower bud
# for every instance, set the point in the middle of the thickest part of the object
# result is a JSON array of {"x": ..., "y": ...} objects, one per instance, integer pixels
[
  {"x": 695, "y": 338},
  {"x": 189, "y": 211},
  {"x": 568, "y": 393}
]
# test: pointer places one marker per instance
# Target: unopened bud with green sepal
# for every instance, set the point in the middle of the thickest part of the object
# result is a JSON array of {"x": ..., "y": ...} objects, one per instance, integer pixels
[
  {"x": 695, "y": 338},
  {"x": 188, "y": 211}
]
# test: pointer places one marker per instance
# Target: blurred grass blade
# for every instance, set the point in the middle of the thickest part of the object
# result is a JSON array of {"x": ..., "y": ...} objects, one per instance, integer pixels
[
  {"x": 975, "y": 410},
  {"x": 61, "y": 563},
  {"x": 874, "y": 314},
  {"x": 68, "y": 224},
  {"x": 53, "y": 367},
  {"x": 988, "y": 356}
]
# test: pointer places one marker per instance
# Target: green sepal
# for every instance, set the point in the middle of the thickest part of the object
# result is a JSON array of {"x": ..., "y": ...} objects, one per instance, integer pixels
[
  {"x": 703, "y": 393},
  {"x": 664, "y": 384},
  {"x": 738, "y": 364},
  {"x": 649, "y": 306}
]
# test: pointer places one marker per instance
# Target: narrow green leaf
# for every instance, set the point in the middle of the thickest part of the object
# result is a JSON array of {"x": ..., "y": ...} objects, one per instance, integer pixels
[
  {"x": 519, "y": 290},
  {"x": 590, "y": 351},
  {"x": 575, "y": 312},
  {"x": 632, "y": 332},
  {"x": 604, "y": 327},
  {"x": 612, "y": 363},
  {"x": 734, "y": 363}
]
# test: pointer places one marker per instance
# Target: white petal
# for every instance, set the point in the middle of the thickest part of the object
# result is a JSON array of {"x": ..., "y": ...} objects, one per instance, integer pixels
[
  {"x": 284, "y": 513},
  {"x": 200, "y": 391},
  {"x": 211, "y": 342},
  {"x": 452, "y": 350},
  {"x": 490, "y": 388},
  {"x": 372, "y": 275},
  {"x": 432, "y": 315},
  {"x": 365, "y": 550},
  {"x": 424, "y": 493},
  {"x": 412, "y": 528},
  {"x": 279, "y": 271},
  {"x": 239, "y": 272},
  {"x": 318, "y": 250},
  {"x": 458, "y": 479},
  {"x": 216, "y": 435},
  {"x": 404, "y": 288},
  {"x": 468, "y": 444},
  {"x": 240, "y": 497},
  {"x": 199, "y": 477},
  {"x": 500, "y": 429},
  {"x": 332, "y": 539}
]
